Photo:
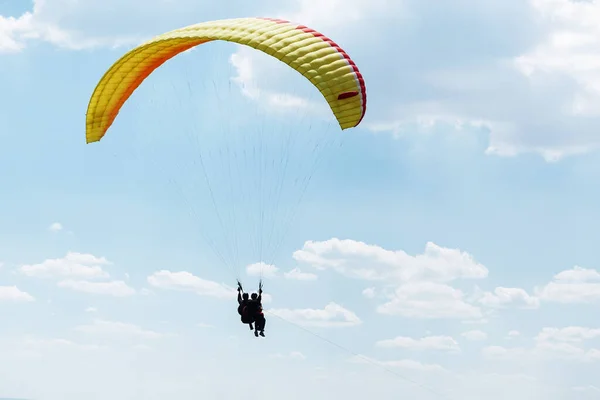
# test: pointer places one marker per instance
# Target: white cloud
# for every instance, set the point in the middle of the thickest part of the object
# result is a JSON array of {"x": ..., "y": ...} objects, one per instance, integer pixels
[
  {"x": 549, "y": 59},
  {"x": 42, "y": 344},
  {"x": 569, "y": 50},
  {"x": 55, "y": 227},
  {"x": 71, "y": 25},
  {"x": 502, "y": 352},
  {"x": 562, "y": 351},
  {"x": 298, "y": 275},
  {"x": 568, "y": 334},
  {"x": 112, "y": 288},
  {"x": 79, "y": 25},
  {"x": 576, "y": 285},
  {"x": 73, "y": 265},
  {"x": 16, "y": 32},
  {"x": 333, "y": 315},
  {"x": 567, "y": 53},
  {"x": 369, "y": 293},
  {"x": 262, "y": 269},
  {"x": 426, "y": 343},
  {"x": 413, "y": 364},
  {"x": 427, "y": 122},
  {"x": 507, "y": 296},
  {"x": 266, "y": 298},
  {"x": 296, "y": 355},
  {"x": 9, "y": 28},
  {"x": 478, "y": 321},
  {"x": 142, "y": 347},
  {"x": 14, "y": 294},
  {"x": 544, "y": 350},
  {"x": 118, "y": 329},
  {"x": 293, "y": 355},
  {"x": 429, "y": 300},
  {"x": 552, "y": 343},
  {"x": 186, "y": 281},
  {"x": 404, "y": 364},
  {"x": 513, "y": 334},
  {"x": 578, "y": 274},
  {"x": 334, "y": 14},
  {"x": 91, "y": 310},
  {"x": 588, "y": 388},
  {"x": 474, "y": 335},
  {"x": 370, "y": 262}
]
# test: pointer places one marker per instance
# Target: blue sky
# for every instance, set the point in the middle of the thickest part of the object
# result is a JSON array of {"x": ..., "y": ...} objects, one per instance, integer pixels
[{"x": 445, "y": 248}]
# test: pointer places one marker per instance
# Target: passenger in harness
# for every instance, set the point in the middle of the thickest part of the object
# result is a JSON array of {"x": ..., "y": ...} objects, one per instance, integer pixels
[{"x": 243, "y": 300}]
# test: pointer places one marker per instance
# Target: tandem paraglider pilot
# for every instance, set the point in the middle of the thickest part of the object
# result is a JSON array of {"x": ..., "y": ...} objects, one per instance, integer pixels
[{"x": 250, "y": 310}]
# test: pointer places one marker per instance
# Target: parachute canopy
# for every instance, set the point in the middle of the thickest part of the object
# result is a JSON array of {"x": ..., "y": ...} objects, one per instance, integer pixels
[{"x": 312, "y": 54}]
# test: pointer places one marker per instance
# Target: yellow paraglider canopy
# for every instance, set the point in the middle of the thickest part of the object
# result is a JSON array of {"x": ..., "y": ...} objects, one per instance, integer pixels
[{"x": 315, "y": 56}]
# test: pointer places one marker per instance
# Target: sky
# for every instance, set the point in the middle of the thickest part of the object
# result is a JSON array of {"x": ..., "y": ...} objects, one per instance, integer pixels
[{"x": 443, "y": 249}]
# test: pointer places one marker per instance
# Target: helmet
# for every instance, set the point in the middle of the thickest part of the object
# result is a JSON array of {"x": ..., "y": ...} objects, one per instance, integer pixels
[
  {"x": 245, "y": 296},
  {"x": 254, "y": 296}
]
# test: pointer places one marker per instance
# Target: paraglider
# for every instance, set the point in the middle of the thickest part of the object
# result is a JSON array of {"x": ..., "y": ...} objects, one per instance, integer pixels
[
  {"x": 319, "y": 59},
  {"x": 326, "y": 65}
]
